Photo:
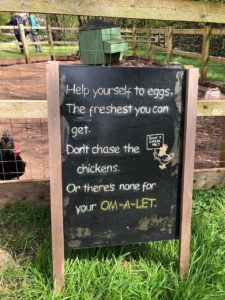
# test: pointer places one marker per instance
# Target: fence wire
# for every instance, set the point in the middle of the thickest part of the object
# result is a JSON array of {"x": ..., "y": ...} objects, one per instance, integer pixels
[
  {"x": 147, "y": 46},
  {"x": 31, "y": 138}
]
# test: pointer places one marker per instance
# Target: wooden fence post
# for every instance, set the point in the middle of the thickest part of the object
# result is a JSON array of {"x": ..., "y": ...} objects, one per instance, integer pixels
[
  {"x": 55, "y": 172},
  {"x": 205, "y": 51},
  {"x": 149, "y": 44},
  {"x": 24, "y": 43},
  {"x": 188, "y": 168},
  {"x": 222, "y": 153},
  {"x": 134, "y": 39},
  {"x": 50, "y": 40},
  {"x": 169, "y": 43}
]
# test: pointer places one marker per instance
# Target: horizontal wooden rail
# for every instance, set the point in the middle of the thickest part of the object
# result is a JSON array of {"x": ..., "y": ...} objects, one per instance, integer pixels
[
  {"x": 10, "y": 27},
  {"x": 35, "y": 59},
  {"x": 156, "y": 31},
  {"x": 186, "y": 53},
  {"x": 210, "y": 108},
  {"x": 15, "y": 191},
  {"x": 216, "y": 59},
  {"x": 22, "y": 109},
  {"x": 29, "y": 43},
  {"x": 160, "y": 49},
  {"x": 65, "y": 43},
  {"x": 188, "y": 31},
  {"x": 192, "y": 11}
]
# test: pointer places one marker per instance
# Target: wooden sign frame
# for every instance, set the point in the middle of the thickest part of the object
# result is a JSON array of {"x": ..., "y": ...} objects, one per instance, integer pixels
[{"x": 55, "y": 167}]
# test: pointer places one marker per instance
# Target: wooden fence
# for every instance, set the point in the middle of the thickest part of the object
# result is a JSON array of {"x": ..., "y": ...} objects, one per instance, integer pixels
[
  {"x": 20, "y": 190},
  {"x": 149, "y": 40},
  {"x": 49, "y": 41},
  {"x": 173, "y": 10},
  {"x": 161, "y": 40}
]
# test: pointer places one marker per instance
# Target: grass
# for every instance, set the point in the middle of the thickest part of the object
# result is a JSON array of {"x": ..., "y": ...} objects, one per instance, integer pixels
[
  {"x": 11, "y": 50},
  {"x": 216, "y": 71},
  {"x": 6, "y": 38},
  {"x": 144, "y": 271}
]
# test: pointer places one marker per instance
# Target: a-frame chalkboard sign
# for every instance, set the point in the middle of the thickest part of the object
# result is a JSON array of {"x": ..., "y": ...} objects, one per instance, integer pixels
[{"x": 121, "y": 149}]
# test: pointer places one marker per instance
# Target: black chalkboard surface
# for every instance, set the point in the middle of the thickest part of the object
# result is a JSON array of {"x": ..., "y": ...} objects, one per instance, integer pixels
[{"x": 122, "y": 137}]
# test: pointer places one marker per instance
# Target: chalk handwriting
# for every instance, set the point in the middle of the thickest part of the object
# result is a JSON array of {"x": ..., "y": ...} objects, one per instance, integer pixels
[
  {"x": 121, "y": 91},
  {"x": 72, "y": 188},
  {"x": 115, "y": 205},
  {"x": 102, "y": 150},
  {"x": 77, "y": 90},
  {"x": 77, "y": 131},
  {"x": 131, "y": 149},
  {"x": 97, "y": 169},
  {"x": 125, "y": 91},
  {"x": 116, "y": 110},
  {"x": 110, "y": 110},
  {"x": 85, "y": 208}
]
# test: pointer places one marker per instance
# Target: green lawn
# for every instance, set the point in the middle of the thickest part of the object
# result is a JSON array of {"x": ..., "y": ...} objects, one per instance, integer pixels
[
  {"x": 216, "y": 71},
  {"x": 11, "y": 50},
  {"x": 6, "y": 38},
  {"x": 144, "y": 271}
]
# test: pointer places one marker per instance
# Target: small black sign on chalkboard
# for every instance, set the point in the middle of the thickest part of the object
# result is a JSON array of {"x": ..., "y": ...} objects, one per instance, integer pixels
[
  {"x": 154, "y": 141},
  {"x": 121, "y": 157}
]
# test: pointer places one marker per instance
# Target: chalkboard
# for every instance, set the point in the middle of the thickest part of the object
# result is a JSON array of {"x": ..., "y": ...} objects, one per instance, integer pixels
[{"x": 122, "y": 141}]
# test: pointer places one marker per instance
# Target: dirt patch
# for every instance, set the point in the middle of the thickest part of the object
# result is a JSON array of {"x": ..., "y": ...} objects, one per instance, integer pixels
[{"x": 29, "y": 82}]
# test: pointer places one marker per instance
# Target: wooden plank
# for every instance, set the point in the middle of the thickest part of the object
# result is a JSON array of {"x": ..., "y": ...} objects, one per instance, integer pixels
[
  {"x": 205, "y": 52},
  {"x": 55, "y": 171},
  {"x": 209, "y": 178},
  {"x": 169, "y": 38},
  {"x": 149, "y": 44},
  {"x": 65, "y": 29},
  {"x": 15, "y": 191},
  {"x": 14, "y": 61},
  {"x": 27, "y": 43},
  {"x": 159, "y": 30},
  {"x": 24, "y": 43},
  {"x": 192, "y": 31},
  {"x": 186, "y": 54},
  {"x": 50, "y": 40},
  {"x": 220, "y": 60},
  {"x": 222, "y": 151},
  {"x": 11, "y": 27},
  {"x": 173, "y": 10},
  {"x": 8, "y": 62},
  {"x": 65, "y": 43},
  {"x": 159, "y": 49},
  {"x": 25, "y": 191},
  {"x": 188, "y": 31},
  {"x": 211, "y": 108},
  {"x": 134, "y": 39},
  {"x": 218, "y": 31},
  {"x": 39, "y": 43},
  {"x": 188, "y": 170},
  {"x": 22, "y": 109}
]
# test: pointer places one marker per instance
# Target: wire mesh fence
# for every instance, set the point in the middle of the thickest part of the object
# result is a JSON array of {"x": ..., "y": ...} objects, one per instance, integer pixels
[
  {"x": 31, "y": 136},
  {"x": 147, "y": 46},
  {"x": 31, "y": 139}
]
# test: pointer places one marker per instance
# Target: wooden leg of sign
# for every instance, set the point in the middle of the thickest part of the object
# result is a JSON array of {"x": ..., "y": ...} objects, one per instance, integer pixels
[
  {"x": 188, "y": 170},
  {"x": 55, "y": 170}
]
